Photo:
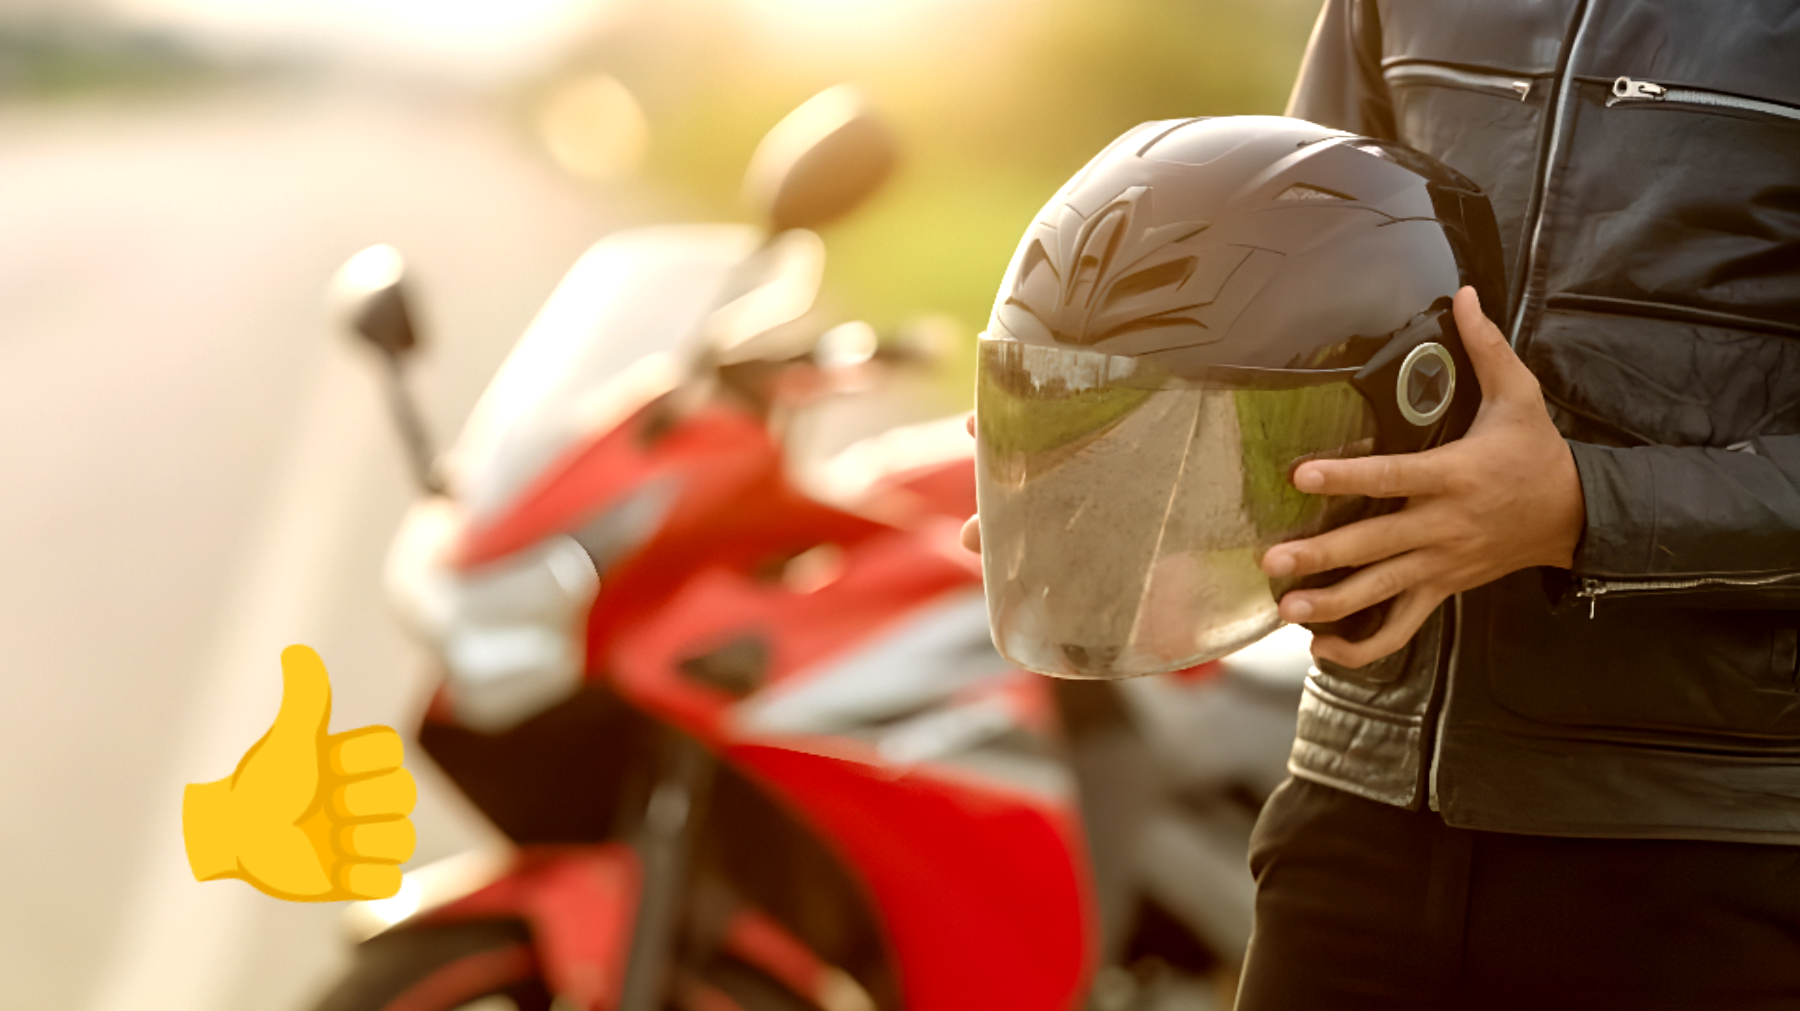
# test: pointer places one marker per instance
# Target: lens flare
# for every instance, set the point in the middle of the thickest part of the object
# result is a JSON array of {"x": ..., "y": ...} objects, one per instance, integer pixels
[{"x": 593, "y": 127}]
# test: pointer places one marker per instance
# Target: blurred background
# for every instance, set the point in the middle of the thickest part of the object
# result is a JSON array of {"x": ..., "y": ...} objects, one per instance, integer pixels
[{"x": 195, "y": 464}]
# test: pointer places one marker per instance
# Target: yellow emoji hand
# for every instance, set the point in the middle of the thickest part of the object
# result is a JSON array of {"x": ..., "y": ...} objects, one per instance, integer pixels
[{"x": 309, "y": 816}]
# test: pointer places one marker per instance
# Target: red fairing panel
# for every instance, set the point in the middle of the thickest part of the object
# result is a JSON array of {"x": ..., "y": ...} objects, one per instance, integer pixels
[
  {"x": 984, "y": 901},
  {"x": 717, "y": 444}
]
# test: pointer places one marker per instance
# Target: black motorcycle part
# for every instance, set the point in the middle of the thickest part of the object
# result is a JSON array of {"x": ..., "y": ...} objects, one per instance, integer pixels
[
  {"x": 774, "y": 862},
  {"x": 570, "y": 774},
  {"x": 444, "y": 966},
  {"x": 737, "y": 668},
  {"x": 750, "y": 988}
]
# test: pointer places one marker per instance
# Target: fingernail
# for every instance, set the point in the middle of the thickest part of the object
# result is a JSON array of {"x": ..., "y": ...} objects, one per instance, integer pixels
[
  {"x": 1278, "y": 564},
  {"x": 1297, "y": 610},
  {"x": 1308, "y": 479}
]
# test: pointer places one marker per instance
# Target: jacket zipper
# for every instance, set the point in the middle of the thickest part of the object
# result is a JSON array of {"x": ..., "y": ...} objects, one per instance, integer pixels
[
  {"x": 1626, "y": 89},
  {"x": 1593, "y": 589},
  {"x": 1504, "y": 85},
  {"x": 1559, "y": 116},
  {"x": 1557, "y": 111}
]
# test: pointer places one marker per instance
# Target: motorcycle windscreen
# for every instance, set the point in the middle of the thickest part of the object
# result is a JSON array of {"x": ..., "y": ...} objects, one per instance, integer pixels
[{"x": 1124, "y": 509}]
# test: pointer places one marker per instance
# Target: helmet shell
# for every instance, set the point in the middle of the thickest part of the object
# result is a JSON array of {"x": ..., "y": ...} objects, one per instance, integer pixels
[
  {"x": 1203, "y": 305},
  {"x": 1249, "y": 241}
]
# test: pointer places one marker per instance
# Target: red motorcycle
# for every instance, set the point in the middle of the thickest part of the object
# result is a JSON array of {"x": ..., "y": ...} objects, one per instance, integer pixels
[{"x": 739, "y": 713}]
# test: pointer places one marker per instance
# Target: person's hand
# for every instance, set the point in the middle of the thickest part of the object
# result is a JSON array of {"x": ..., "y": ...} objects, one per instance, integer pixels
[
  {"x": 1504, "y": 497},
  {"x": 309, "y": 816}
]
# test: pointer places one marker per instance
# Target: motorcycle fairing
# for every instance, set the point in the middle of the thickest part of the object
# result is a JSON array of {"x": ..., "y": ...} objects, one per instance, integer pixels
[
  {"x": 632, "y": 295},
  {"x": 508, "y": 633},
  {"x": 941, "y": 812},
  {"x": 969, "y": 847},
  {"x": 614, "y": 334}
]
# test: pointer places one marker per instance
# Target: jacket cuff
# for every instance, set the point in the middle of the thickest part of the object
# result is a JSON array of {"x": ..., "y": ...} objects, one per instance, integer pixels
[{"x": 1619, "y": 490}]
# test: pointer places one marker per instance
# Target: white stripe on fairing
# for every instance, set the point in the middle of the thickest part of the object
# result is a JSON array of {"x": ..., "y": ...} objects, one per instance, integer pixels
[{"x": 934, "y": 653}]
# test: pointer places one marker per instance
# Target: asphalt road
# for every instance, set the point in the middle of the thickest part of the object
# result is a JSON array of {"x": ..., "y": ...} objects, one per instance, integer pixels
[{"x": 195, "y": 472}]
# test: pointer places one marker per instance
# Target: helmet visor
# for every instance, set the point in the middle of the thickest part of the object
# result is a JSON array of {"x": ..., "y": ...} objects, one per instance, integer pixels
[{"x": 1124, "y": 508}]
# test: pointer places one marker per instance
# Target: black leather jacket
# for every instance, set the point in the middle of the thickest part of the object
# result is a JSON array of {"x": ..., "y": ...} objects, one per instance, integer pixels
[{"x": 1643, "y": 157}]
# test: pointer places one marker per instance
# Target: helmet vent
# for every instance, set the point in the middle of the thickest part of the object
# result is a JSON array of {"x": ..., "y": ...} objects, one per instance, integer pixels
[
  {"x": 1098, "y": 241},
  {"x": 1087, "y": 278},
  {"x": 1301, "y": 191},
  {"x": 1164, "y": 275},
  {"x": 1036, "y": 257}
]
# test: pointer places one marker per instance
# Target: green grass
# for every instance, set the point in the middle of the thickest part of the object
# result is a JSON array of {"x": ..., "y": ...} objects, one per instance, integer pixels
[
  {"x": 1016, "y": 422},
  {"x": 1278, "y": 429}
]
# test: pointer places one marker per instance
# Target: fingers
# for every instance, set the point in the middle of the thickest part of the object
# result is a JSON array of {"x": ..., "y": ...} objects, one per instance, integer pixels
[
  {"x": 1360, "y": 589},
  {"x": 1401, "y": 476},
  {"x": 1501, "y": 373},
  {"x": 365, "y": 752},
  {"x": 372, "y": 848},
  {"x": 379, "y": 798},
  {"x": 391, "y": 839},
  {"x": 382, "y": 796},
  {"x": 305, "y": 703},
  {"x": 971, "y": 424},
  {"x": 1404, "y": 619},
  {"x": 1359, "y": 543},
  {"x": 369, "y": 881}
]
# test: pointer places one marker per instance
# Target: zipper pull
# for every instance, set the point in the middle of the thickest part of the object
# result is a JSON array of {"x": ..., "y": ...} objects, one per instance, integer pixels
[
  {"x": 1627, "y": 90},
  {"x": 1591, "y": 588}
]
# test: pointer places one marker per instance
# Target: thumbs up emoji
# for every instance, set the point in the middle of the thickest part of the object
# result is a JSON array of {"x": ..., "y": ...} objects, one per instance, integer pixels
[{"x": 309, "y": 816}]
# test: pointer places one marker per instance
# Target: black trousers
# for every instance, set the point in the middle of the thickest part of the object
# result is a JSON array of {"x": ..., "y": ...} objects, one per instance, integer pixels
[{"x": 1362, "y": 905}]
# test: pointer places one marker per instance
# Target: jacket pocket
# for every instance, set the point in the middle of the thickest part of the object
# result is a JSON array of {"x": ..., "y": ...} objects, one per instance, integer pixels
[
  {"x": 1642, "y": 667},
  {"x": 1625, "y": 373},
  {"x": 1487, "y": 82},
  {"x": 1483, "y": 123},
  {"x": 1680, "y": 204}
]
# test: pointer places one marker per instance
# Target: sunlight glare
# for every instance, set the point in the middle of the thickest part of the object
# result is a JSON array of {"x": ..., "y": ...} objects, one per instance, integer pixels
[
  {"x": 475, "y": 36},
  {"x": 594, "y": 127},
  {"x": 860, "y": 20}
]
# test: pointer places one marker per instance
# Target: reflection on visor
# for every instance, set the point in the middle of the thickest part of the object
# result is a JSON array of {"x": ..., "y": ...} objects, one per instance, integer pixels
[{"x": 1124, "y": 509}]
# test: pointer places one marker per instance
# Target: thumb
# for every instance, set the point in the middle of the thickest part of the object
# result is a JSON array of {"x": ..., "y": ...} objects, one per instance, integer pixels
[
  {"x": 305, "y": 704},
  {"x": 1501, "y": 374}
]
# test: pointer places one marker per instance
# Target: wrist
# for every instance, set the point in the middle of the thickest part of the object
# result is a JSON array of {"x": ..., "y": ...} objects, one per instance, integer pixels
[{"x": 206, "y": 829}]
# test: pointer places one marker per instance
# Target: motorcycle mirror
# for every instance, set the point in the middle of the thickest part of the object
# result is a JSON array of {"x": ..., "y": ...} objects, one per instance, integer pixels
[
  {"x": 368, "y": 286},
  {"x": 821, "y": 160},
  {"x": 368, "y": 290},
  {"x": 846, "y": 346},
  {"x": 778, "y": 283}
]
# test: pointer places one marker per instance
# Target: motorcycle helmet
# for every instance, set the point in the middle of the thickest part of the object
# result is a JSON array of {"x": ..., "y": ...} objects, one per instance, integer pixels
[{"x": 1206, "y": 304}]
